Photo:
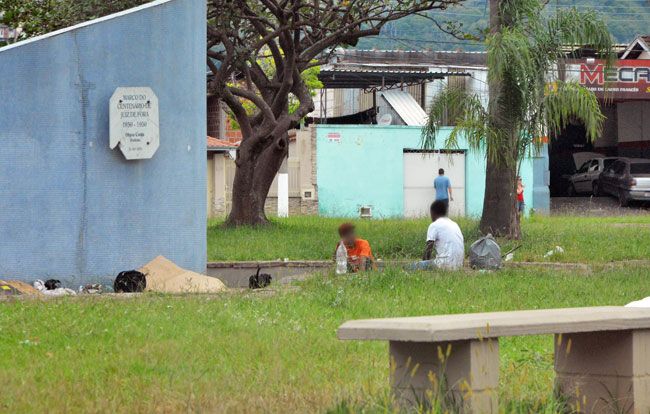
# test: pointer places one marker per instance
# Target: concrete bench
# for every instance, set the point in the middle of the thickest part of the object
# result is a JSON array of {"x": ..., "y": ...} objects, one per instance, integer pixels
[{"x": 602, "y": 355}]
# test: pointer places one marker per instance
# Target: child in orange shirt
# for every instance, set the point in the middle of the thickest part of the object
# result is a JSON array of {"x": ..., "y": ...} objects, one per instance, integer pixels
[{"x": 359, "y": 252}]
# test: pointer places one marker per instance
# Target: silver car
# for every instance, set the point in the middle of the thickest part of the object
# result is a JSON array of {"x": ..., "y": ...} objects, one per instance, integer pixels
[
  {"x": 585, "y": 180},
  {"x": 628, "y": 179}
]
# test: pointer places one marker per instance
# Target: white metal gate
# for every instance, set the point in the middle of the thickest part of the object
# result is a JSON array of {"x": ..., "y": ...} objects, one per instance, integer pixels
[{"x": 420, "y": 169}]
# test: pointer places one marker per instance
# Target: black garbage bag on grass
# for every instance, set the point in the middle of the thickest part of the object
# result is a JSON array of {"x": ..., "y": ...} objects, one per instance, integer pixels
[
  {"x": 130, "y": 281},
  {"x": 485, "y": 253}
]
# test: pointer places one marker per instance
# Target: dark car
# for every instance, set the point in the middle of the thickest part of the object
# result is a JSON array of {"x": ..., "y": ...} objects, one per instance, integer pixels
[{"x": 626, "y": 178}]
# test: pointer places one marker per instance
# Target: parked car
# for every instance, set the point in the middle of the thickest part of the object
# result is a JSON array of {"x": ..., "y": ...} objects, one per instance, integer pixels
[
  {"x": 626, "y": 178},
  {"x": 585, "y": 179}
]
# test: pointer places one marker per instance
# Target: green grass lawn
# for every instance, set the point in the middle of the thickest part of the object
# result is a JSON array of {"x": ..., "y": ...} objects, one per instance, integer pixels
[
  {"x": 277, "y": 352},
  {"x": 255, "y": 352},
  {"x": 585, "y": 239}
]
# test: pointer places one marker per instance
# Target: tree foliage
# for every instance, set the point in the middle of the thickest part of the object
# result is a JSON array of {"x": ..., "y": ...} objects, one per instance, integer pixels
[
  {"x": 309, "y": 77},
  {"x": 296, "y": 35},
  {"x": 37, "y": 17},
  {"x": 527, "y": 98}
]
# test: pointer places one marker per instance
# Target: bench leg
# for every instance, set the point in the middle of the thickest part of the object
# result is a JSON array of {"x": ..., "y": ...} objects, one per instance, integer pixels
[
  {"x": 600, "y": 372},
  {"x": 460, "y": 375}
]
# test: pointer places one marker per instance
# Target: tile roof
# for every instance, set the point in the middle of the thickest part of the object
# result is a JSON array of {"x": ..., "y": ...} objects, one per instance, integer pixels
[{"x": 215, "y": 144}]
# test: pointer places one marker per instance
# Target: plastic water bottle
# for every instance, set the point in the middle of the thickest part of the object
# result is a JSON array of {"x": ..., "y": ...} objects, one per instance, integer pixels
[{"x": 341, "y": 259}]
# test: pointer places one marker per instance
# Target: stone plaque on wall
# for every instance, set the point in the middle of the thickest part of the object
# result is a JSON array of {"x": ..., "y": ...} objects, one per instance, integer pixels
[{"x": 134, "y": 122}]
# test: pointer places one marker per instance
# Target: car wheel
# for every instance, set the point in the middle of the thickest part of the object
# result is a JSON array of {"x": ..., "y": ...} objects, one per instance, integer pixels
[
  {"x": 623, "y": 201},
  {"x": 596, "y": 189},
  {"x": 571, "y": 191}
]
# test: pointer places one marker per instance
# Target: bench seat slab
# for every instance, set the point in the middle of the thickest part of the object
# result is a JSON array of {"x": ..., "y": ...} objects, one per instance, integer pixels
[{"x": 462, "y": 375}]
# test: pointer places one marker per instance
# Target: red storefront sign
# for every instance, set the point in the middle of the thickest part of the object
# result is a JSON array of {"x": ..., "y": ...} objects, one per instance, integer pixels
[{"x": 629, "y": 79}]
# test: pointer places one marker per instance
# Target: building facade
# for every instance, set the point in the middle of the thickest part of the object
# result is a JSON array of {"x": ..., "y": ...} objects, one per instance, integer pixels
[
  {"x": 381, "y": 171},
  {"x": 300, "y": 167},
  {"x": 624, "y": 95}
]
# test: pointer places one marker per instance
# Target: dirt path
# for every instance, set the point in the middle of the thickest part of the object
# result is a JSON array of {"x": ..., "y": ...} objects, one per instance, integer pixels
[{"x": 594, "y": 206}]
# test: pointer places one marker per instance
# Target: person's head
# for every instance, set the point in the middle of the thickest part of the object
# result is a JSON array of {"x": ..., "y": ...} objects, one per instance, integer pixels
[
  {"x": 518, "y": 179},
  {"x": 441, "y": 171},
  {"x": 438, "y": 209},
  {"x": 347, "y": 233}
]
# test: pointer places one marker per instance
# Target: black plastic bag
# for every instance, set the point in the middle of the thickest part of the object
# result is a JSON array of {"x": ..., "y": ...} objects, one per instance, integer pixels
[
  {"x": 485, "y": 253},
  {"x": 130, "y": 281}
]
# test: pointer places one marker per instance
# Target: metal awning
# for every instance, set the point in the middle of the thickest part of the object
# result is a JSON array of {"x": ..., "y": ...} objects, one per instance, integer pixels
[
  {"x": 406, "y": 107},
  {"x": 375, "y": 78}
]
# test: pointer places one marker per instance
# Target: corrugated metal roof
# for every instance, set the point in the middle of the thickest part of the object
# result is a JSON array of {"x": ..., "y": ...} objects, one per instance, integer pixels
[
  {"x": 364, "y": 76},
  {"x": 406, "y": 107},
  {"x": 410, "y": 57}
]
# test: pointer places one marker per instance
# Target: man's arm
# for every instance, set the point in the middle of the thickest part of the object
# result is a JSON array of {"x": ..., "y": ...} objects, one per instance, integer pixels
[
  {"x": 451, "y": 197},
  {"x": 428, "y": 250}
]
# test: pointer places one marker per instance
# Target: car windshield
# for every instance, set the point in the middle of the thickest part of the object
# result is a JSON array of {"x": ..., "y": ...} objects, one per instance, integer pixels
[
  {"x": 609, "y": 162},
  {"x": 640, "y": 168}
]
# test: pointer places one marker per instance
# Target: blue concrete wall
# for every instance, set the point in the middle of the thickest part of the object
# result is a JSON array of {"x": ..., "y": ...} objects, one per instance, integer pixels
[
  {"x": 71, "y": 208},
  {"x": 366, "y": 167},
  {"x": 542, "y": 180}
]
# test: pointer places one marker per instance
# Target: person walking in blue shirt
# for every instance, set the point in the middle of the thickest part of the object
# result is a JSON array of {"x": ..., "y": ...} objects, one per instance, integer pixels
[{"x": 443, "y": 187}]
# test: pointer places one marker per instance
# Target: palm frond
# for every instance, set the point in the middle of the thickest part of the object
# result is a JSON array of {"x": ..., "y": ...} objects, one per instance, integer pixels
[
  {"x": 522, "y": 58},
  {"x": 521, "y": 12},
  {"x": 571, "y": 101},
  {"x": 576, "y": 28},
  {"x": 454, "y": 106}
]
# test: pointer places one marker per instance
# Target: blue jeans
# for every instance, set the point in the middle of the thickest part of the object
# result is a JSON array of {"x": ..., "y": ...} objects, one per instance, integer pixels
[
  {"x": 521, "y": 206},
  {"x": 423, "y": 265}
]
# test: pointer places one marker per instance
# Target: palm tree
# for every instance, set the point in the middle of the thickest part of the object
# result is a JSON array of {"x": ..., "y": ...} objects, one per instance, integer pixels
[{"x": 528, "y": 100}]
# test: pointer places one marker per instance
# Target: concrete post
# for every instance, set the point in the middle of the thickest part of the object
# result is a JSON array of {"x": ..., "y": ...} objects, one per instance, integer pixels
[
  {"x": 541, "y": 182},
  {"x": 462, "y": 375},
  {"x": 605, "y": 371},
  {"x": 283, "y": 189},
  {"x": 219, "y": 190},
  {"x": 283, "y": 195}
]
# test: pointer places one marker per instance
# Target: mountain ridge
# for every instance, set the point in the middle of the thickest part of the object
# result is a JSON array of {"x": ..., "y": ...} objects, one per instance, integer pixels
[{"x": 626, "y": 19}]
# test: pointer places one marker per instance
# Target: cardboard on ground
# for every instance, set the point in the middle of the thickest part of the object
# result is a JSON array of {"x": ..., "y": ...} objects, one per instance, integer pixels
[
  {"x": 165, "y": 276},
  {"x": 21, "y": 288}
]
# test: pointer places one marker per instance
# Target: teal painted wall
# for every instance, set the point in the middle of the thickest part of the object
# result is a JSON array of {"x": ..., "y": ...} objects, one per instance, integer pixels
[{"x": 363, "y": 165}]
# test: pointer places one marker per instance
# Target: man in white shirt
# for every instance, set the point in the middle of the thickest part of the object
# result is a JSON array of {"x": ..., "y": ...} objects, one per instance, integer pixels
[{"x": 445, "y": 235}]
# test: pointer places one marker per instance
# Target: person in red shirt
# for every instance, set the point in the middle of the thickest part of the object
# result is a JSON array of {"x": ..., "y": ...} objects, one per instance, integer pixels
[
  {"x": 521, "y": 205},
  {"x": 359, "y": 252}
]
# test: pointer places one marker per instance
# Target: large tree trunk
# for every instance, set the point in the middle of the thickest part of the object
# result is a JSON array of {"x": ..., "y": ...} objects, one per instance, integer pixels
[
  {"x": 256, "y": 169},
  {"x": 500, "y": 217}
]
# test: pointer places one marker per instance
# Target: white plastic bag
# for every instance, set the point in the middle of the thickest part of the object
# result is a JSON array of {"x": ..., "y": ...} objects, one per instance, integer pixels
[{"x": 40, "y": 286}]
